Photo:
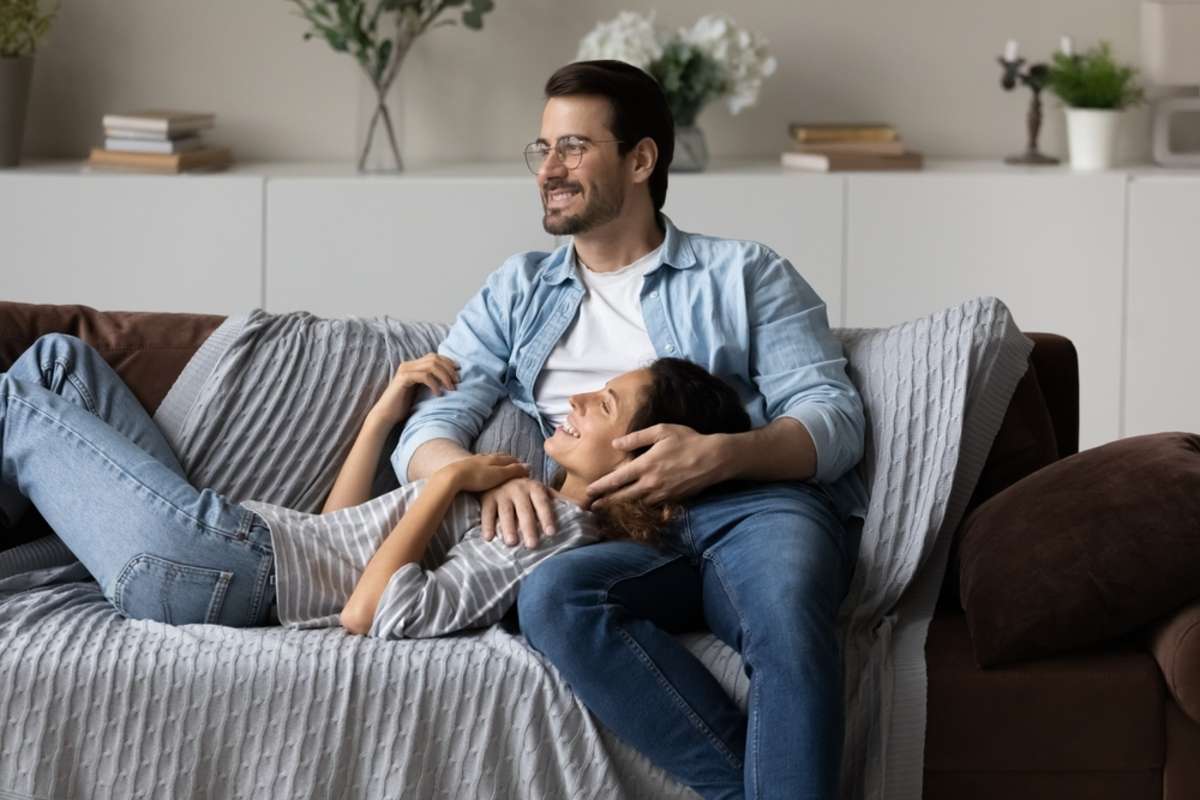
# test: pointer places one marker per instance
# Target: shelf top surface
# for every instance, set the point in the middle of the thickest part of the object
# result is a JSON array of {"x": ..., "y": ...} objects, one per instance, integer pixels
[{"x": 502, "y": 170}]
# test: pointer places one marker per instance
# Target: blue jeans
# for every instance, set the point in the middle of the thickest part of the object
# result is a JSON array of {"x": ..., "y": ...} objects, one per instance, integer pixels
[
  {"x": 765, "y": 567},
  {"x": 76, "y": 443}
]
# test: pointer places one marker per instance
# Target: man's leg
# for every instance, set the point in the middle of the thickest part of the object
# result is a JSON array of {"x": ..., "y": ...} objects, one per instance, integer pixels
[
  {"x": 776, "y": 567},
  {"x": 604, "y": 616},
  {"x": 73, "y": 370}
]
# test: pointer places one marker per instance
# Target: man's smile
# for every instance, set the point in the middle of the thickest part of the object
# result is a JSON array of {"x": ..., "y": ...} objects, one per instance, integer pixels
[{"x": 560, "y": 197}]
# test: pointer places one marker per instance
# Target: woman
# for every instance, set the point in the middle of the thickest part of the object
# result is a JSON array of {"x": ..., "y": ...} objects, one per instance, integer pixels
[{"x": 75, "y": 442}]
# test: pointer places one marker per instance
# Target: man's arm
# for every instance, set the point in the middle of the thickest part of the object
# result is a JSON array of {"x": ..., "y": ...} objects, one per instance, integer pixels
[
  {"x": 480, "y": 342},
  {"x": 817, "y": 426},
  {"x": 433, "y": 455}
]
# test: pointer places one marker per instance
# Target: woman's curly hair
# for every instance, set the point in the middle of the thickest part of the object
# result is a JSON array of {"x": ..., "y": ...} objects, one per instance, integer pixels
[{"x": 680, "y": 393}]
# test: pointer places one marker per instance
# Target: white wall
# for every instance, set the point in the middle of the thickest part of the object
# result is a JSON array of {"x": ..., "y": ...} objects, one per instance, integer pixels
[{"x": 928, "y": 66}]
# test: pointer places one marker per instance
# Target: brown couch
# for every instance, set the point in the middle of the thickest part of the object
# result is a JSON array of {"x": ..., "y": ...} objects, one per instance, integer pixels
[{"x": 1120, "y": 720}]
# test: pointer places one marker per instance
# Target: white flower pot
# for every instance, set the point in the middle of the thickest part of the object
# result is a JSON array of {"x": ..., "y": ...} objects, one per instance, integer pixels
[{"x": 1092, "y": 137}]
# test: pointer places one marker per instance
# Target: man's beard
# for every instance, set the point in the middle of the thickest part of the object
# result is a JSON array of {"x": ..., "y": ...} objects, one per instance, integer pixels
[{"x": 600, "y": 209}]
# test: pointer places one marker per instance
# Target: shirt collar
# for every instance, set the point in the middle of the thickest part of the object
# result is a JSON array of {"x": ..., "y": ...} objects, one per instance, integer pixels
[{"x": 676, "y": 252}]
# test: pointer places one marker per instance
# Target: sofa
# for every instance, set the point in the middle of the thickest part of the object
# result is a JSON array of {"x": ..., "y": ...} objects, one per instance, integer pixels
[{"x": 1115, "y": 719}]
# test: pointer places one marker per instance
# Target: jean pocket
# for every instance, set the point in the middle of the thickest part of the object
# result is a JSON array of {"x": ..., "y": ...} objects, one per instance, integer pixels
[{"x": 151, "y": 587}]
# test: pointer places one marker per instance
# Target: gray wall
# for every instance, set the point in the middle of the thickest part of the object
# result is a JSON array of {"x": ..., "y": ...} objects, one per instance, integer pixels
[{"x": 928, "y": 66}]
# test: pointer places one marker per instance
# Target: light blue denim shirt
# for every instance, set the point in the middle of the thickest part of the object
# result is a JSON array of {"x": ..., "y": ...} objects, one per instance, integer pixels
[{"x": 736, "y": 308}]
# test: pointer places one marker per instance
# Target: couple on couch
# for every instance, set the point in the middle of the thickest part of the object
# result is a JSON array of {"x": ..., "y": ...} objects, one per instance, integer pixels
[{"x": 720, "y": 502}]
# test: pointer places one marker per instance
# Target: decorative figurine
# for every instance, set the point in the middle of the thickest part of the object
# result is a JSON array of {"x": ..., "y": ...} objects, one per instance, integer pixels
[{"x": 1035, "y": 78}]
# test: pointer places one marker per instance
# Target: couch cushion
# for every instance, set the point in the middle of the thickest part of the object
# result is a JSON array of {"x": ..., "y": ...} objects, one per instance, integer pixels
[
  {"x": 1097, "y": 710},
  {"x": 1088, "y": 548},
  {"x": 1176, "y": 646},
  {"x": 148, "y": 350}
]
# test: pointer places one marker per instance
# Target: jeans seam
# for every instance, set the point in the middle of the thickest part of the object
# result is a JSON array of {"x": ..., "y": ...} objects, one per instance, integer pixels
[
  {"x": 84, "y": 440},
  {"x": 678, "y": 699},
  {"x": 752, "y": 718}
]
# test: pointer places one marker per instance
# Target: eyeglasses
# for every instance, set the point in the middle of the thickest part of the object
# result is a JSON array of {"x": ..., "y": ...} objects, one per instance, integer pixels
[{"x": 569, "y": 149}]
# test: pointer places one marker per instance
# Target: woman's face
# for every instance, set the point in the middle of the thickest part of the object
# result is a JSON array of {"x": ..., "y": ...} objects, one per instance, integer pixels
[{"x": 583, "y": 444}]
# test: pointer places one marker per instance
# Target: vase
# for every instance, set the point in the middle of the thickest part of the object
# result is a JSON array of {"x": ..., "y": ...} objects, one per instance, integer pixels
[
  {"x": 15, "y": 77},
  {"x": 380, "y": 130},
  {"x": 1092, "y": 137},
  {"x": 691, "y": 151}
]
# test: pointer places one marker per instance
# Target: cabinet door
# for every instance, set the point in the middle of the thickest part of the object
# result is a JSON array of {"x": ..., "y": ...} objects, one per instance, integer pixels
[
  {"x": 131, "y": 242},
  {"x": 1162, "y": 375},
  {"x": 798, "y": 216},
  {"x": 413, "y": 248},
  {"x": 1051, "y": 246}
]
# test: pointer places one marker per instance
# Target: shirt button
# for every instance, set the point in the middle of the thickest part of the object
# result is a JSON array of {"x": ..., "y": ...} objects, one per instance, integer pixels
[
  {"x": 670, "y": 348},
  {"x": 654, "y": 294}
]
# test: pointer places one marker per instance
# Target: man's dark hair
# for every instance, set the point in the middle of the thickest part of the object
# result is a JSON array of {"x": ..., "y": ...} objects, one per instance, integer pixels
[{"x": 639, "y": 109}]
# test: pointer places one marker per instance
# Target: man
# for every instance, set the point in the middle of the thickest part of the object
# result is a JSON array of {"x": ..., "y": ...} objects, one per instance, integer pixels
[{"x": 763, "y": 553}]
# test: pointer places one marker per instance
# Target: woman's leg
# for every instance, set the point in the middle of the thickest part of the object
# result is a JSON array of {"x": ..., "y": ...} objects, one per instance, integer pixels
[
  {"x": 73, "y": 370},
  {"x": 604, "y": 616},
  {"x": 160, "y": 548}
]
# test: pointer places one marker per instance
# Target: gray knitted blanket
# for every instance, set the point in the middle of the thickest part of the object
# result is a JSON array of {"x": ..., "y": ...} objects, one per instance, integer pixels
[{"x": 266, "y": 410}]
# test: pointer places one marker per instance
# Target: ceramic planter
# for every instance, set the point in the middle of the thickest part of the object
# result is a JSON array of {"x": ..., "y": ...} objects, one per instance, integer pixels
[{"x": 1092, "y": 137}]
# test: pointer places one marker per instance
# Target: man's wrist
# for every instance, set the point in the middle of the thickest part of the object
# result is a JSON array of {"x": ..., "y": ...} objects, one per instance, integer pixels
[{"x": 729, "y": 449}]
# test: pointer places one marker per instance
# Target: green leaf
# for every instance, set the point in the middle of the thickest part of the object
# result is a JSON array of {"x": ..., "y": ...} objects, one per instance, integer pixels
[{"x": 473, "y": 19}]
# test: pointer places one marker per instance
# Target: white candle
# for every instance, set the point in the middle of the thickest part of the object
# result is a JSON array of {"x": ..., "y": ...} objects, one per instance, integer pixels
[
  {"x": 1010, "y": 50},
  {"x": 1065, "y": 46}
]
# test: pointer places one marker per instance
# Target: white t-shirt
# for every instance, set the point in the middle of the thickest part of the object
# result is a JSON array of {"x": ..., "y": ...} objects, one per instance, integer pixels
[{"x": 607, "y": 338}]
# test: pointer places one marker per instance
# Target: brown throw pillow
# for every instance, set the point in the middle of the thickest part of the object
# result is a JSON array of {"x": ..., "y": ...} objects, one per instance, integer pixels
[{"x": 1086, "y": 549}]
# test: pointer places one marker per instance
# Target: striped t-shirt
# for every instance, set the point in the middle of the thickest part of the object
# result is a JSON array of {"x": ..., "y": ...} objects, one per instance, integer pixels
[{"x": 461, "y": 582}]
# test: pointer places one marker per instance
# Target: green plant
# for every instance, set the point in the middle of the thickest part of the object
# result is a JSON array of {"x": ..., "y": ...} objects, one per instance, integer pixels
[
  {"x": 357, "y": 27},
  {"x": 1093, "y": 79},
  {"x": 22, "y": 26}
]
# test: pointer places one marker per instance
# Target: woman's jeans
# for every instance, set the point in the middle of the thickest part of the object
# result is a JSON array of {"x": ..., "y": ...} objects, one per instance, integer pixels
[
  {"x": 765, "y": 567},
  {"x": 76, "y": 443}
]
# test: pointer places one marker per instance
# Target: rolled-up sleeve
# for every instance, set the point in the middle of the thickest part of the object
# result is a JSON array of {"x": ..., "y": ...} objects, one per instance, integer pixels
[
  {"x": 799, "y": 365},
  {"x": 480, "y": 342}
]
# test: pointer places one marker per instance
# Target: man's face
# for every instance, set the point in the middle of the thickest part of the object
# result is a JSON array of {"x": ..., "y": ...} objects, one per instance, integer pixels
[{"x": 592, "y": 194}]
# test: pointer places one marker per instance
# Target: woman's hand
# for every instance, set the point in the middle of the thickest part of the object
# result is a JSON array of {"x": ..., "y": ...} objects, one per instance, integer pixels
[
  {"x": 437, "y": 372},
  {"x": 483, "y": 472}
]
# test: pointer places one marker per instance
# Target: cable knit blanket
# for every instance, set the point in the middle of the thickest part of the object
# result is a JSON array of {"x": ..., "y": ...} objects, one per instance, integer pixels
[{"x": 95, "y": 704}]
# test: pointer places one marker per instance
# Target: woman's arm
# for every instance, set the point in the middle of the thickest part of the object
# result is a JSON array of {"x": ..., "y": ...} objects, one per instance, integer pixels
[
  {"x": 353, "y": 484},
  {"x": 408, "y": 540}
]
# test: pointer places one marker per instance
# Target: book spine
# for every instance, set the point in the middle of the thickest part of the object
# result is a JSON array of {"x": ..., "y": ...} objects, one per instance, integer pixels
[{"x": 813, "y": 135}]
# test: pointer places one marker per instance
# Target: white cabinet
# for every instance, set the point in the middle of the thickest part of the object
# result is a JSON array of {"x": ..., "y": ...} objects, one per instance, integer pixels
[
  {"x": 798, "y": 216},
  {"x": 414, "y": 248},
  {"x": 131, "y": 242},
  {"x": 1051, "y": 246},
  {"x": 1110, "y": 260},
  {"x": 1162, "y": 357}
]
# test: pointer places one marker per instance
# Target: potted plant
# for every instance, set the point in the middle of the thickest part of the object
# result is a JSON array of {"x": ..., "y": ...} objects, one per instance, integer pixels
[
  {"x": 379, "y": 34},
  {"x": 712, "y": 59},
  {"x": 22, "y": 26},
  {"x": 1095, "y": 89}
]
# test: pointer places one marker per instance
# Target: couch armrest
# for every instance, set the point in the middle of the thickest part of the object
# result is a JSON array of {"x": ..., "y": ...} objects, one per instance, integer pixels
[{"x": 1175, "y": 643}]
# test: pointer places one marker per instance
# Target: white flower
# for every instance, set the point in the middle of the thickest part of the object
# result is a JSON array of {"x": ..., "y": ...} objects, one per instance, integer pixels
[
  {"x": 630, "y": 37},
  {"x": 743, "y": 54}
]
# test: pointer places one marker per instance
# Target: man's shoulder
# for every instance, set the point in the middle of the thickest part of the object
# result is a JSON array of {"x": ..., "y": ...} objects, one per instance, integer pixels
[{"x": 725, "y": 253}]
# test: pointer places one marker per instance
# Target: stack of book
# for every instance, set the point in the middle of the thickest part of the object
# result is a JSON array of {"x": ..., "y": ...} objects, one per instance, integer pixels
[
  {"x": 158, "y": 141},
  {"x": 839, "y": 146}
]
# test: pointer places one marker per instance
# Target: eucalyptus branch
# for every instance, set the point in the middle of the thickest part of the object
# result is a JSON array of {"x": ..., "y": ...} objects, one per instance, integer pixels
[{"x": 22, "y": 26}]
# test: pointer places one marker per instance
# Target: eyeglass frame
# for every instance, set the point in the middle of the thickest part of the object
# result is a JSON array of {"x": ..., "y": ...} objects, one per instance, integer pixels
[{"x": 557, "y": 149}]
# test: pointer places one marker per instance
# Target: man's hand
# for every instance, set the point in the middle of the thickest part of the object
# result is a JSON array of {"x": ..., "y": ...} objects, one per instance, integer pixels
[
  {"x": 679, "y": 463},
  {"x": 523, "y": 506}
]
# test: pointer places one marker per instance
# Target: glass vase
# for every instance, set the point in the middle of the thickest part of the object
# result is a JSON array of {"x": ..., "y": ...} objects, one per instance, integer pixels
[
  {"x": 691, "y": 150},
  {"x": 380, "y": 137}
]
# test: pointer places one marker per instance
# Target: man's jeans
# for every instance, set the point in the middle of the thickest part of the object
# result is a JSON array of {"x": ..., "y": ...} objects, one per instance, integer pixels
[
  {"x": 76, "y": 442},
  {"x": 765, "y": 567}
]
